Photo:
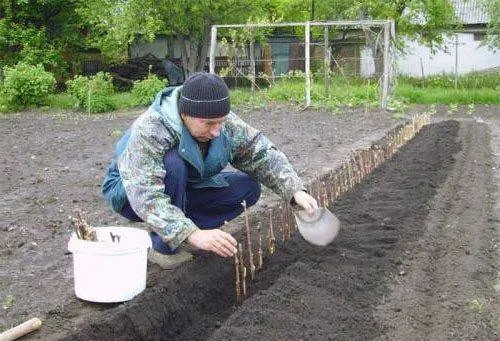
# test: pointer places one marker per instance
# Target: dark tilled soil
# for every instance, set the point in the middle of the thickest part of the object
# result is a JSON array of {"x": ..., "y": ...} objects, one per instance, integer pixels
[
  {"x": 54, "y": 163},
  {"x": 418, "y": 226},
  {"x": 416, "y": 258}
]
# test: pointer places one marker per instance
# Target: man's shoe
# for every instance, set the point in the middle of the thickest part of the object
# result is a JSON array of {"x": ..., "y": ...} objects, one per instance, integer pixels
[{"x": 168, "y": 262}]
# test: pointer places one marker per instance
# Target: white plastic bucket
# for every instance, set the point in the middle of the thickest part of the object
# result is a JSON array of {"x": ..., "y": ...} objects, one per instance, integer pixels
[{"x": 107, "y": 271}]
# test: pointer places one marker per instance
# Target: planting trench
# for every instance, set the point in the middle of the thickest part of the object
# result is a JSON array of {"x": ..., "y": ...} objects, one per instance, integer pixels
[{"x": 395, "y": 234}]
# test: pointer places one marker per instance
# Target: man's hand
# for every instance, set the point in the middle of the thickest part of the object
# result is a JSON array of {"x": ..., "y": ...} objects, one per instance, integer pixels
[
  {"x": 217, "y": 241},
  {"x": 306, "y": 201}
]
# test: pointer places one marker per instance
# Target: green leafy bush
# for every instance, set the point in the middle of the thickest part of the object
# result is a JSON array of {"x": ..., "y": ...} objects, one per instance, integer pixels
[
  {"x": 92, "y": 93},
  {"x": 144, "y": 91},
  {"x": 26, "y": 85},
  {"x": 4, "y": 105}
]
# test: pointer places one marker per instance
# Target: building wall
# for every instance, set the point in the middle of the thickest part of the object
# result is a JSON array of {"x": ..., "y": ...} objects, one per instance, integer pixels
[
  {"x": 471, "y": 57},
  {"x": 158, "y": 48}
]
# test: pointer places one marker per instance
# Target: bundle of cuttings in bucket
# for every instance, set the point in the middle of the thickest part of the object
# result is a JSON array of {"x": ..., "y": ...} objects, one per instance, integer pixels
[{"x": 82, "y": 228}]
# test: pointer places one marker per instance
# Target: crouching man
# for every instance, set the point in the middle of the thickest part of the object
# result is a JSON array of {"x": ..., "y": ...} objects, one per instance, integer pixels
[{"x": 168, "y": 170}]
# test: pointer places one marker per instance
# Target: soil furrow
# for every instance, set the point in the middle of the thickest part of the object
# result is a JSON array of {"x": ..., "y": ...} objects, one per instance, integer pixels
[{"x": 355, "y": 265}]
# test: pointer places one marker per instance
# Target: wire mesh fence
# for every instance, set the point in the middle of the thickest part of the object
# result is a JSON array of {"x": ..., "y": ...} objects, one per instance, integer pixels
[{"x": 325, "y": 58}]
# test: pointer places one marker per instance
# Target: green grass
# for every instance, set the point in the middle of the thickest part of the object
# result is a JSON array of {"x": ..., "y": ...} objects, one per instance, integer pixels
[
  {"x": 340, "y": 93},
  {"x": 122, "y": 100},
  {"x": 434, "y": 95},
  {"x": 60, "y": 101},
  {"x": 472, "y": 80},
  {"x": 473, "y": 88}
]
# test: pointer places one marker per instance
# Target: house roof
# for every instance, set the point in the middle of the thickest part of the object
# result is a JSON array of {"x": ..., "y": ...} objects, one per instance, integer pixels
[{"x": 470, "y": 12}]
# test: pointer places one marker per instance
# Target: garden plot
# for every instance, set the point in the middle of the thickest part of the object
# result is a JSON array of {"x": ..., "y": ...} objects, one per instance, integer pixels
[
  {"x": 414, "y": 252},
  {"x": 415, "y": 257}
]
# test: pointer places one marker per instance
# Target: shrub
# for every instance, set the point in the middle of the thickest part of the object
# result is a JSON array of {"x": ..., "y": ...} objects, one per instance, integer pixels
[
  {"x": 144, "y": 91},
  {"x": 4, "y": 105},
  {"x": 92, "y": 93},
  {"x": 26, "y": 85}
]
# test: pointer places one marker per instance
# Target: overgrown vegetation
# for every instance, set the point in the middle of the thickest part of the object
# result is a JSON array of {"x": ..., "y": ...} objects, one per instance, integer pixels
[
  {"x": 25, "y": 85},
  {"x": 96, "y": 94},
  {"x": 473, "y": 80},
  {"x": 51, "y": 33},
  {"x": 92, "y": 93},
  {"x": 475, "y": 87},
  {"x": 339, "y": 92},
  {"x": 144, "y": 91}
]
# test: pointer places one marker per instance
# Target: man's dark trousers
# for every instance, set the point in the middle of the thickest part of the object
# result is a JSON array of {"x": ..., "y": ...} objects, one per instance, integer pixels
[{"x": 208, "y": 207}]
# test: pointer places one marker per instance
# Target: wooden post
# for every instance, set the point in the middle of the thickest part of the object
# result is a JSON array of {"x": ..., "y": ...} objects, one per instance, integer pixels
[
  {"x": 318, "y": 190},
  {"x": 21, "y": 330},
  {"x": 239, "y": 293},
  {"x": 286, "y": 225},
  {"x": 324, "y": 194},
  {"x": 243, "y": 271},
  {"x": 456, "y": 61},
  {"x": 249, "y": 241},
  {"x": 260, "y": 252},
  {"x": 267, "y": 60},
  {"x": 282, "y": 227},
  {"x": 272, "y": 238}
]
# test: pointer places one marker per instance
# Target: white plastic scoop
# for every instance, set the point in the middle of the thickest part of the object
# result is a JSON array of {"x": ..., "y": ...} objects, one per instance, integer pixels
[{"x": 319, "y": 229}]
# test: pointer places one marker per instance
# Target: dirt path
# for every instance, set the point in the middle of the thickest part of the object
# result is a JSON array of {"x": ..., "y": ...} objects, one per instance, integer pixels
[
  {"x": 451, "y": 268},
  {"x": 416, "y": 259}
]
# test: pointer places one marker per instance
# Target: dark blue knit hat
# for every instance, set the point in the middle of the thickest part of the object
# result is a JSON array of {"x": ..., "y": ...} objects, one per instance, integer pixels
[{"x": 204, "y": 95}]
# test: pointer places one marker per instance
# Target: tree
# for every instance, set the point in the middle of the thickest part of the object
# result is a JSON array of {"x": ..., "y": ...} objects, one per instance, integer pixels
[
  {"x": 492, "y": 8},
  {"x": 116, "y": 23},
  {"x": 424, "y": 20},
  {"x": 40, "y": 31}
]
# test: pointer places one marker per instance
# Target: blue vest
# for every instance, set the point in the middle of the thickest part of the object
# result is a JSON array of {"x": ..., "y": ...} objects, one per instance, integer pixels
[{"x": 204, "y": 173}]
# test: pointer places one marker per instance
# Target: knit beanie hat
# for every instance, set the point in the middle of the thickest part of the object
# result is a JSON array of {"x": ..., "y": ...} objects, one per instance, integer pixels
[{"x": 204, "y": 95}]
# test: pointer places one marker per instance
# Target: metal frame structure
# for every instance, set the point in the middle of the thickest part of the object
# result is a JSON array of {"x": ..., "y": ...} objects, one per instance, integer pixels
[{"x": 387, "y": 26}]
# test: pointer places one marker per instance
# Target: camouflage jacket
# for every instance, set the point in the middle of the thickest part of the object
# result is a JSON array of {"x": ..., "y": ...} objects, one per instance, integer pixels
[{"x": 158, "y": 130}]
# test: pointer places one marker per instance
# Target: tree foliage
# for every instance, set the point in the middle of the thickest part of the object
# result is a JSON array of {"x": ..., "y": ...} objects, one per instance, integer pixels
[
  {"x": 425, "y": 20},
  {"x": 116, "y": 23},
  {"x": 492, "y": 8},
  {"x": 56, "y": 32},
  {"x": 40, "y": 31}
]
